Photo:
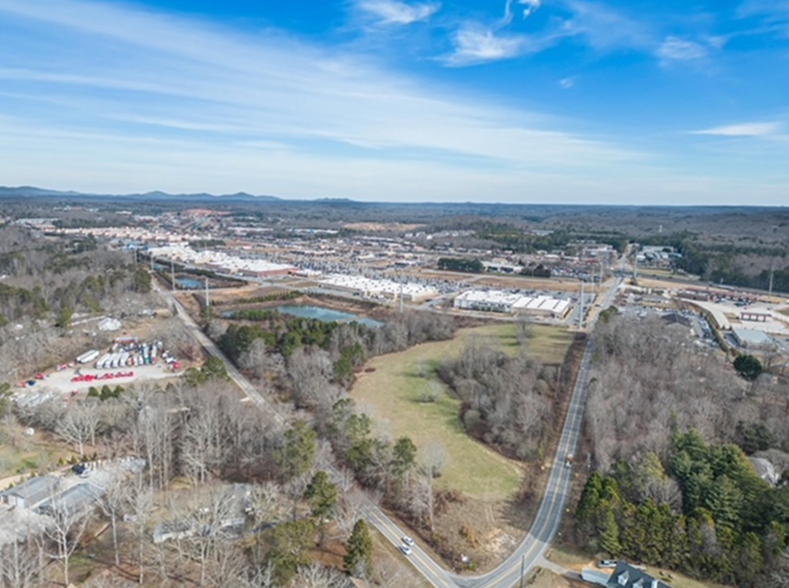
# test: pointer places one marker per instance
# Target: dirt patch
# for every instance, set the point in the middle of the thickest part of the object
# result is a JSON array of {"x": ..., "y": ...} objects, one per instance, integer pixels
[{"x": 484, "y": 532}]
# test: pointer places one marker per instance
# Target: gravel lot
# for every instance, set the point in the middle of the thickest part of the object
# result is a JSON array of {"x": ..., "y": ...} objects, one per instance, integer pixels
[{"x": 60, "y": 382}]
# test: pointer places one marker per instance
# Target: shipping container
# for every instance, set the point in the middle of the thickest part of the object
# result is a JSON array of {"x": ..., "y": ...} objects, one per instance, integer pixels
[{"x": 88, "y": 356}]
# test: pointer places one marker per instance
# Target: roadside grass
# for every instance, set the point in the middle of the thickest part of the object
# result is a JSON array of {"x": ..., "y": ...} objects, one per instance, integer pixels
[
  {"x": 549, "y": 343},
  {"x": 784, "y": 311},
  {"x": 391, "y": 394}
]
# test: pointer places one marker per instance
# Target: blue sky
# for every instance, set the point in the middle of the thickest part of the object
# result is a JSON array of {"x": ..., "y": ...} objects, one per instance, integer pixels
[{"x": 542, "y": 101}]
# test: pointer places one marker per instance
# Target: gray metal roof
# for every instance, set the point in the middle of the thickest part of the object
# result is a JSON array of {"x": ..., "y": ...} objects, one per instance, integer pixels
[
  {"x": 752, "y": 337},
  {"x": 627, "y": 576},
  {"x": 77, "y": 498},
  {"x": 34, "y": 490}
]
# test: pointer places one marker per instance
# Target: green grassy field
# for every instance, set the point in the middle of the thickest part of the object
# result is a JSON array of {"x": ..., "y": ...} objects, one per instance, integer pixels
[
  {"x": 392, "y": 394},
  {"x": 549, "y": 343}
]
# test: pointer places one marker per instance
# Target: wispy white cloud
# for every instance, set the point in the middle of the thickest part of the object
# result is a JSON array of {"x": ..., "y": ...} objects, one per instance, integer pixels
[
  {"x": 674, "y": 49},
  {"x": 529, "y": 7},
  {"x": 475, "y": 44},
  {"x": 753, "y": 129},
  {"x": 393, "y": 12},
  {"x": 606, "y": 29},
  {"x": 176, "y": 103},
  {"x": 566, "y": 83}
]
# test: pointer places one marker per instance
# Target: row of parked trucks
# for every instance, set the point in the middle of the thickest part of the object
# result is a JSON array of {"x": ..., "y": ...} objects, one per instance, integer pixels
[{"x": 132, "y": 354}]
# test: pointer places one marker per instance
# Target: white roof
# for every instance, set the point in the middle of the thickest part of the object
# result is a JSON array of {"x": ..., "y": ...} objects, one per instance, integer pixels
[
  {"x": 218, "y": 259},
  {"x": 373, "y": 285}
]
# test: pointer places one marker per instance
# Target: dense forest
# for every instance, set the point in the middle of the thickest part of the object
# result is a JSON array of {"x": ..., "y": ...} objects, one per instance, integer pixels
[
  {"x": 669, "y": 426},
  {"x": 50, "y": 284},
  {"x": 507, "y": 402}
]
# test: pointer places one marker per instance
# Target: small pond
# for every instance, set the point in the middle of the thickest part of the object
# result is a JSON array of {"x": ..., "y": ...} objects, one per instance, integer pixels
[
  {"x": 326, "y": 314},
  {"x": 319, "y": 313},
  {"x": 189, "y": 283}
]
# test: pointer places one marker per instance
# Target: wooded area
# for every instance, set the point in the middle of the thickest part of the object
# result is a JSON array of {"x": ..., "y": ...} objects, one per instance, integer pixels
[{"x": 668, "y": 426}]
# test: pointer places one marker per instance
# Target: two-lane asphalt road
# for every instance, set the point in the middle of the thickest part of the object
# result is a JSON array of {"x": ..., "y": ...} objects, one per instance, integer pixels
[{"x": 549, "y": 515}]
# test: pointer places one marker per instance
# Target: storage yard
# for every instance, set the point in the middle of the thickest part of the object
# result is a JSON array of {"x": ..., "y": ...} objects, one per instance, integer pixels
[{"x": 126, "y": 361}]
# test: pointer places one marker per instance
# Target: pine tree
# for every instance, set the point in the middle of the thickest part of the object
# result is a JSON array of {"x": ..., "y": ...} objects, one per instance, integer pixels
[
  {"x": 749, "y": 559},
  {"x": 298, "y": 452},
  {"x": 322, "y": 495},
  {"x": 359, "y": 557},
  {"x": 609, "y": 533}
]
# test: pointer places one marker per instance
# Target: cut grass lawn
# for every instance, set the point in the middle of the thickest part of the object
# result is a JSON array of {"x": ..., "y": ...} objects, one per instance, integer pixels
[{"x": 392, "y": 394}]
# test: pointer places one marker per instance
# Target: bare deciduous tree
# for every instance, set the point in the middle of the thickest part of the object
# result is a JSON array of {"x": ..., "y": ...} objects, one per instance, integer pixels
[
  {"x": 20, "y": 564},
  {"x": 65, "y": 531}
]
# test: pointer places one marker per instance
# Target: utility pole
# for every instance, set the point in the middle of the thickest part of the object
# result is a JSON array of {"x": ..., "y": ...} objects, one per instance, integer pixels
[
  {"x": 772, "y": 270},
  {"x": 207, "y": 301},
  {"x": 581, "y": 308},
  {"x": 172, "y": 273}
]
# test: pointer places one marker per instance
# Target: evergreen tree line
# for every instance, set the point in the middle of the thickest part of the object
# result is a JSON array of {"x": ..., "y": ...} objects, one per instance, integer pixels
[{"x": 705, "y": 513}]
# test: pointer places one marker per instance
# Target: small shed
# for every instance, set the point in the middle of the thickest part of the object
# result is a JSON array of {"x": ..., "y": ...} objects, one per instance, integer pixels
[{"x": 31, "y": 492}]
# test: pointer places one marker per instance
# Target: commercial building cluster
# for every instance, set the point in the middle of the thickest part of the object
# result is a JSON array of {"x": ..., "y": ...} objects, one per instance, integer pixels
[
  {"x": 222, "y": 262},
  {"x": 513, "y": 303},
  {"x": 374, "y": 288}
]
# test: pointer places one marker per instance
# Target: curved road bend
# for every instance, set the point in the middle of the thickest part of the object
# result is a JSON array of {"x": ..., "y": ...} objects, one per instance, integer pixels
[{"x": 549, "y": 515}]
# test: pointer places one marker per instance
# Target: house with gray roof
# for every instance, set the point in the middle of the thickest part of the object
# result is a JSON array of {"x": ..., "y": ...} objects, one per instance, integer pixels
[
  {"x": 31, "y": 492},
  {"x": 627, "y": 576},
  {"x": 76, "y": 500}
]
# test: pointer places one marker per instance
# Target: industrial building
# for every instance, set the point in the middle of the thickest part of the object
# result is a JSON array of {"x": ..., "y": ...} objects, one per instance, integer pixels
[
  {"x": 222, "y": 262},
  {"x": 487, "y": 301},
  {"x": 512, "y": 303},
  {"x": 751, "y": 339},
  {"x": 372, "y": 288}
]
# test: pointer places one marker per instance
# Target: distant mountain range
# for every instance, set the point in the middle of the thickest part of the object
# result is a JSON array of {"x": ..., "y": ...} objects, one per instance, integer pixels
[{"x": 33, "y": 192}]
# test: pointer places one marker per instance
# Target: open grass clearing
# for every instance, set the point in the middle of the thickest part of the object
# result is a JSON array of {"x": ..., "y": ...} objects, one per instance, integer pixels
[
  {"x": 391, "y": 393},
  {"x": 549, "y": 343}
]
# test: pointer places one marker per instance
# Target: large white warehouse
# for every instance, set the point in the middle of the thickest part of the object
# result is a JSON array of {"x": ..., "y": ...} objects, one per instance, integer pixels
[{"x": 498, "y": 301}]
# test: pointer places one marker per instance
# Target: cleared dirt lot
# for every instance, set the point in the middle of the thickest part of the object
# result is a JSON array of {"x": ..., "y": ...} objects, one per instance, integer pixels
[{"x": 61, "y": 382}]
